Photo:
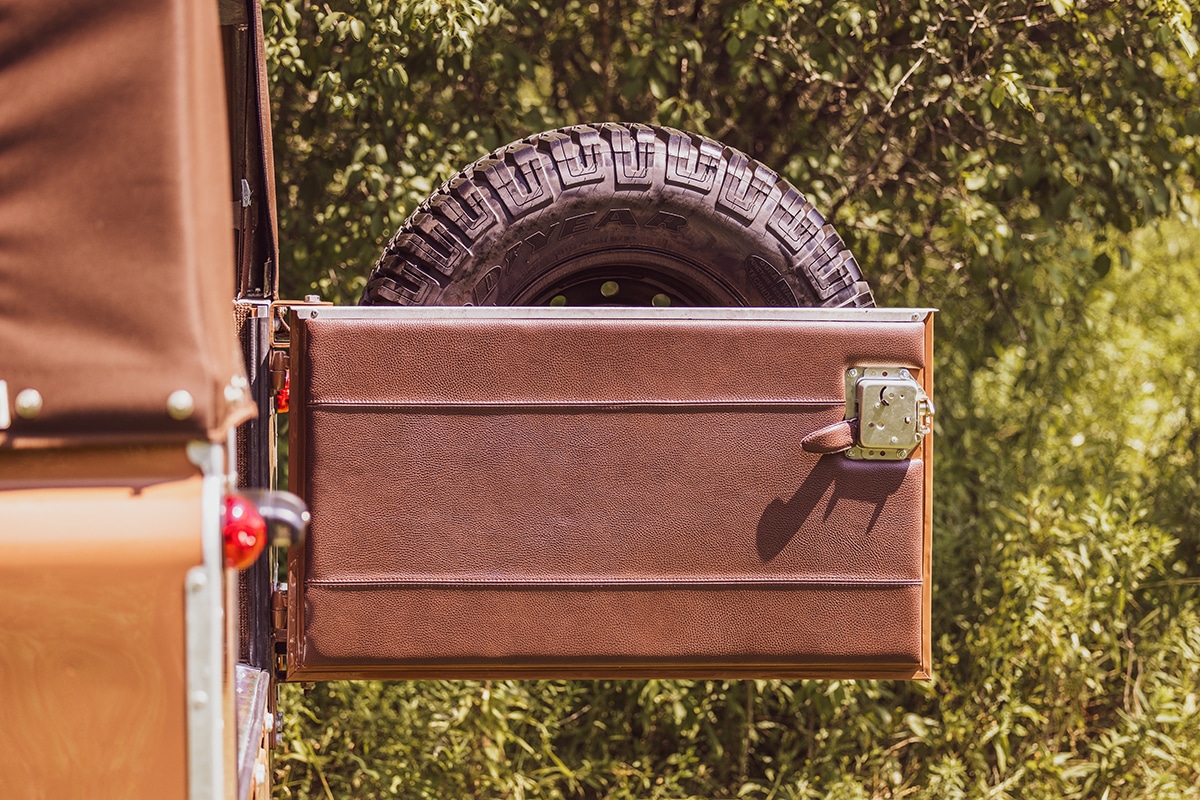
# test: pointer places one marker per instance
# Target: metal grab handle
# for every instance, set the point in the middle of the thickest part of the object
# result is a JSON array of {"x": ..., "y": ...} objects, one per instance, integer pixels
[{"x": 286, "y": 515}]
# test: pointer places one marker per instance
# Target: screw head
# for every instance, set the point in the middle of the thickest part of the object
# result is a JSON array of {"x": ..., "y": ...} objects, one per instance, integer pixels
[{"x": 28, "y": 403}]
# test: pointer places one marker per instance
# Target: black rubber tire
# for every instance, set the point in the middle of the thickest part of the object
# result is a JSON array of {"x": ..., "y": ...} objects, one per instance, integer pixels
[{"x": 622, "y": 214}]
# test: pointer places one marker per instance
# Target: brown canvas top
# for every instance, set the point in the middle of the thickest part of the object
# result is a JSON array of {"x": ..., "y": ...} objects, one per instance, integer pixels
[{"x": 116, "y": 247}]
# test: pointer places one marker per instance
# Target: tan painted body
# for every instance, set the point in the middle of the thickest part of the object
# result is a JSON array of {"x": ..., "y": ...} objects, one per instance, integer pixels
[{"x": 92, "y": 639}]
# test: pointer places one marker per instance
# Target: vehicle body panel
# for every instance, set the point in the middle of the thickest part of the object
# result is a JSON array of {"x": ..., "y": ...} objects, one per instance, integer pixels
[
  {"x": 92, "y": 638},
  {"x": 117, "y": 355}
]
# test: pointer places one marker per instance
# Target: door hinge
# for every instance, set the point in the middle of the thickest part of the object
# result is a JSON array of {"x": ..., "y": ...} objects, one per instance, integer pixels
[
  {"x": 281, "y": 330},
  {"x": 279, "y": 614}
]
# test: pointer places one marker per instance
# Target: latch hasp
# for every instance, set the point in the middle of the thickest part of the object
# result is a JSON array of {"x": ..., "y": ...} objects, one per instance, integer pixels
[{"x": 894, "y": 412}]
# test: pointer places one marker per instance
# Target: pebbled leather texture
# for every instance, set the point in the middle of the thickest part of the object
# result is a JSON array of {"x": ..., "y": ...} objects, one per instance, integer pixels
[{"x": 587, "y": 498}]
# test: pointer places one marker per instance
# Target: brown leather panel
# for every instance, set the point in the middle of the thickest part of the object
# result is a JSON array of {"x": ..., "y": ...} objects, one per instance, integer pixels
[
  {"x": 116, "y": 259},
  {"x": 92, "y": 640},
  {"x": 417, "y": 632},
  {"x": 601, "y": 497},
  {"x": 390, "y": 361},
  {"x": 586, "y": 498}
]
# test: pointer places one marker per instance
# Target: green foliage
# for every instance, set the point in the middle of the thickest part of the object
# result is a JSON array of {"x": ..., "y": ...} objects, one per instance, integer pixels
[{"x": 997, "y": 159}]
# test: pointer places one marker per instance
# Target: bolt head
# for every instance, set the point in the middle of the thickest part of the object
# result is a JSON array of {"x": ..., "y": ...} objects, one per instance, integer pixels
[
  {"x": 28, "y": 403},
  {"x": 180, "y": 404}
]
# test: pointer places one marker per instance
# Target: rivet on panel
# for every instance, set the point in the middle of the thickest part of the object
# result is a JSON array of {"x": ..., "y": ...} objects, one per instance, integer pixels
[
  {"x": 180, "y": 404},
  {"x": 28, "y": 403},
  {"x": 199, "y": 700}
]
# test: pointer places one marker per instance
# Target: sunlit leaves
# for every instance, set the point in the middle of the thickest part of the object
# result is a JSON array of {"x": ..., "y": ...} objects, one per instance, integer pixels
[{"x": 990, "y": 158}]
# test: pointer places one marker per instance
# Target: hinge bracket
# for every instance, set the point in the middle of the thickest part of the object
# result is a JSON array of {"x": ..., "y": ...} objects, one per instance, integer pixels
[
  {"x": 280, "y": 329},
  {"x": 279, "y": 614}
]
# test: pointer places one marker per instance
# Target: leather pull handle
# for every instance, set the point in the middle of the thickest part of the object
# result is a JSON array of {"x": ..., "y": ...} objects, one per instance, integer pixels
[{"x": 835, "y": 438}]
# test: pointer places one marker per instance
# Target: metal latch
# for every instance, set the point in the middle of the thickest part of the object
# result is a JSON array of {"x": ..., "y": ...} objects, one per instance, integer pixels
[{"x": 894, "y": 414}]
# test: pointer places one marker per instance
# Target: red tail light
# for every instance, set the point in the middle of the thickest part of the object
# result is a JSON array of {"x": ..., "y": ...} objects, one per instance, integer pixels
[
  {"x": 245, "y": 532},
  {"x": 283, "y": 398}
]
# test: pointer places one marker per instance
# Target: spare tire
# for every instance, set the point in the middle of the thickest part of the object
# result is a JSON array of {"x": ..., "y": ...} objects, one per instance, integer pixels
[{"x": 622, "y": 214}]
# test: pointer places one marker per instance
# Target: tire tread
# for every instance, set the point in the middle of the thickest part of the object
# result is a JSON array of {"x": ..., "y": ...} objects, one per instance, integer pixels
[{"x": 430, "y": 248}]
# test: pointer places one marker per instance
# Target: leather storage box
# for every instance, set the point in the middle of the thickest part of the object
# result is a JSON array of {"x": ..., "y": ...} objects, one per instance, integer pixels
[{"x": 601, "y": 493}]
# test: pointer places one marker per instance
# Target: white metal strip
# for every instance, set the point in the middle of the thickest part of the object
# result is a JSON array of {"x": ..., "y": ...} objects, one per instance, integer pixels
[
  {"x": 205, "y": 636},
  {"x": 617, "y": 313}
]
